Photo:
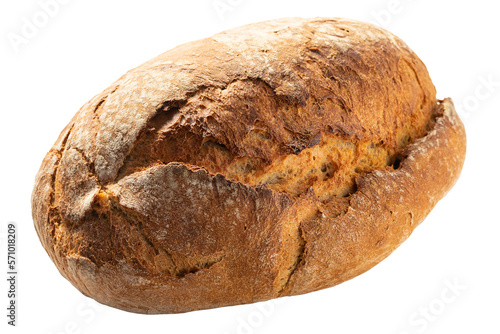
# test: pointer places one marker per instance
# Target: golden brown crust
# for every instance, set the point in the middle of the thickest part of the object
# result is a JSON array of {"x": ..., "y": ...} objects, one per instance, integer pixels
[{"x": 274, "y": 159}]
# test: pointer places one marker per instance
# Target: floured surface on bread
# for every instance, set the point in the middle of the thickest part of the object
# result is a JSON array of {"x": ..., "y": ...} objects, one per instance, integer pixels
[{"x": 273, "y": 159}]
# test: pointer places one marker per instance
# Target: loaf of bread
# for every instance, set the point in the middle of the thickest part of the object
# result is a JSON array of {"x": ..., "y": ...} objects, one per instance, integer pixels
[{"x": 269, "y": 160}]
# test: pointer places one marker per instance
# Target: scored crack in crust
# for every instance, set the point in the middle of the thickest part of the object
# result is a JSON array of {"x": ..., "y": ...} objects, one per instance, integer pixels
[
  {"x": 181, "y": 134},
  {"x": 273, "y": 159}
]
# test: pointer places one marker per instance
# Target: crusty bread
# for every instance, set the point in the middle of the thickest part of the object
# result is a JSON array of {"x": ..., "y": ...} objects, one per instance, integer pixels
[{"x": 270, "y": 160}]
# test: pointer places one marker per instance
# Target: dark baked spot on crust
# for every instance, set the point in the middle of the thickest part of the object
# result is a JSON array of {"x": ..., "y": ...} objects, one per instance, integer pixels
[{"x": 397, "y": 161}]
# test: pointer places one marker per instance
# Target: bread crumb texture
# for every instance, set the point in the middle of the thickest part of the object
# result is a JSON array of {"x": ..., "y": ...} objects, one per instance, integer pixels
[{"x": 273, "y": 159}]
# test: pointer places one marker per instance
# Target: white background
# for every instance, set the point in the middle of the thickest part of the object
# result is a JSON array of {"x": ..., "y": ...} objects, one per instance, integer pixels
[{"x": 86, "y": 45}]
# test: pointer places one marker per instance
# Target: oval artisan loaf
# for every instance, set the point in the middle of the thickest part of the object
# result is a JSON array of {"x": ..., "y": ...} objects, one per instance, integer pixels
[{"x": 270, "y": 160}]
